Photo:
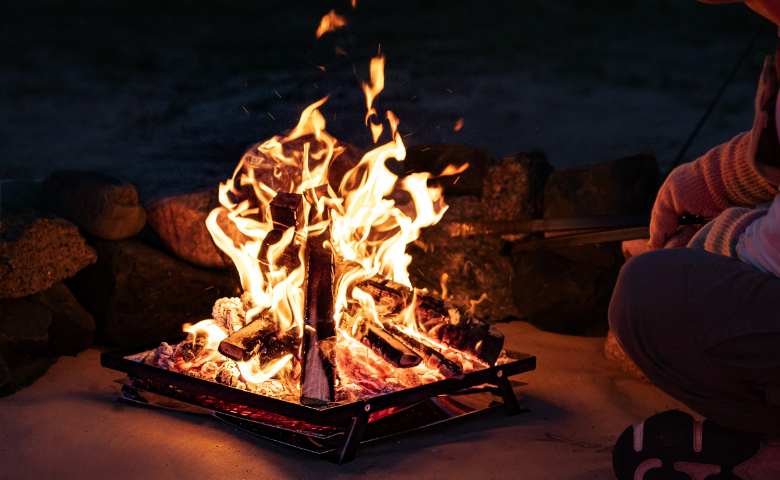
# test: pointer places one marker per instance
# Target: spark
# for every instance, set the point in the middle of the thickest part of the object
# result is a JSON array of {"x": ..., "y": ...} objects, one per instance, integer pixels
[
  {"x": 458, "y": 124},
  {"x": 448, "y": 90},
  {"x": 277, "y": 94},
  {"x": 407, "y": 135},
  {"x": 414, "y": 96},
  {"x": 272, "y": 117},
  {"x": 247, "y": 111},
  {"x": 209, "y": 288},
  {"x": 315, "y": 85},
  {"x": 424, "y": 149},
  {"x": 456, "y": 180}
]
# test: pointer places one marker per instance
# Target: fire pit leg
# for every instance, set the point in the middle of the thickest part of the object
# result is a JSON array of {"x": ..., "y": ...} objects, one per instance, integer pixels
[
  {"x": 507, "y": 394},
  {"x": 354, "y": 436}
]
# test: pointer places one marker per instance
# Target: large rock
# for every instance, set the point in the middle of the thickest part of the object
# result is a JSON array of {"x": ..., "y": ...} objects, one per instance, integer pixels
[
  {"x": 513, "y": 188},
  {"x": 435, "y": 158},
  {"x": 72, "y": 328},
  {"x": 101, "y": 205},
  {"x": 626, "y": 185},
  {"x": 37, "y": 251},
  {"x": 180, "y": 222},
  {"x": 138, "y": 294},
  {"x": 568, "y": 290},
  {"x": 24, "y": 327}
]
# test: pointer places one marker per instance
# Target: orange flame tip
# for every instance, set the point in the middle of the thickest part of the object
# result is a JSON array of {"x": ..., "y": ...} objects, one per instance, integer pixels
[{"x": 330, "y": 22}]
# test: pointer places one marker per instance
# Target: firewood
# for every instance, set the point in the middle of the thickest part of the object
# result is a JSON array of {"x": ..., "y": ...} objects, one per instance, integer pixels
[
  {"x": 286, "y": 343},
  {"x": 286, "y": 212},
  {"x": 386, "y": 293},
  {"x": 431, "y": 357},
  {"x": 317, "y": 373},
  {"x": 471, "y": 335},
  {"x": 245, "y": 343},
  {"x": 389, "y": 347},
  {"x": 441, "y": 319}
]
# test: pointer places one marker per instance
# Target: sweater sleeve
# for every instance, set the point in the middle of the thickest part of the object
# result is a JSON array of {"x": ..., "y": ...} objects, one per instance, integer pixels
[
  {"x": 722, "y": 178},
  {"x": 722, "y": 234}
]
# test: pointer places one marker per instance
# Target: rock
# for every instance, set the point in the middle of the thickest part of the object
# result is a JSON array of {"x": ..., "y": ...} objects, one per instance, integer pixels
[
  {"x": 513, "y": 188},
  {"x": 72, "y": 328},
  {"x": 101, "y": 205},
  {"x": 180, "y": 222},
  {"x": 138, "y": 294},
  {"x": 626, "y": 185},
  {"x": 563, "y": 295},
  {"x": 21, "y": 373},
  {"x": 24, "y": 327},
  {"x": 37, "y": 251},
  {"x": 615, "y": 353},
  {"x": 568, "y": 290},
  {"x": 435, "y": 158}
]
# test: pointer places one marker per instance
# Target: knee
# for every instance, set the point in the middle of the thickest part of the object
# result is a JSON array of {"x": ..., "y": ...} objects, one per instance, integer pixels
[{"x": 634, "y": 295}]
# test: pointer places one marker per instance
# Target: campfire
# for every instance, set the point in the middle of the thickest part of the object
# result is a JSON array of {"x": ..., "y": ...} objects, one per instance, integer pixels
[
  {"x": 329, "y": 344},
  {"x": 328, "y": 313}
]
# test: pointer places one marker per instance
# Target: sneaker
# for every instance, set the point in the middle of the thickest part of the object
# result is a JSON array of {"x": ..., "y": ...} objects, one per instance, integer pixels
[{"x": 672, "y": 445}]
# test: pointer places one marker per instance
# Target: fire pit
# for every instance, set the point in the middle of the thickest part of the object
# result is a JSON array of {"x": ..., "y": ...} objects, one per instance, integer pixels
[
  {"x": 333, "y": 431},
  {"x": 329, "y": 344}
]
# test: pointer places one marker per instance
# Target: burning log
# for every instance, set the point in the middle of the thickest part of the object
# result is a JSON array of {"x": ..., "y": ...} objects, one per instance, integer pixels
[
  {"x": 286, "y": 212},
  {"x": 433, "y": 358},
  {"x": 471, "y": 335},
  {"x": 386, "y": 293},
  {"x": 317, "y": 373},
  {"x": 247, "y": 342},
  {"x": 286, "y": 343},
  {"x": 443, "y": 320},
  {"x": 388, "y": 346}
]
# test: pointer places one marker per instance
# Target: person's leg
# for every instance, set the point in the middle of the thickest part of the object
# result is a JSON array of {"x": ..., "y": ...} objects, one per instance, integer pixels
[{"x": 705, "y": 329}]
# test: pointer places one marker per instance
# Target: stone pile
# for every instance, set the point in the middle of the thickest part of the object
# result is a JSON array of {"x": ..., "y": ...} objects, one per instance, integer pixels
[{"x": 88, "y": 263}]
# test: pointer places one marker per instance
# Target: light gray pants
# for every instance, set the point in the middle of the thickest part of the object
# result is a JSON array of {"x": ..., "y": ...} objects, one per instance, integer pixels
[{"x": 705, "y": 329}]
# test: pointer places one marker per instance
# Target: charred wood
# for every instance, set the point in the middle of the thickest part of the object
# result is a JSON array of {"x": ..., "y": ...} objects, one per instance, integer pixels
[
  {"x": 431, "y": 357},
  {"x": 386, "y": 344},
  {"x": 441, "y": 319},
  {"x": 192, "y": 347},
  {"x": 245, "y": 343},
  {"x": 287, "y": 343},
  {"x": 471, "y": 335},
  {"x": 317, "y": 372}
]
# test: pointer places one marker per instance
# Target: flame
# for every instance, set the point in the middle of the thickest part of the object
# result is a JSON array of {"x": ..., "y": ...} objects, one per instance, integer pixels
[
  {"x": 330, "y": 22},
  {"x": 458, "y": 125},
  {"x": 371, "y": 215}
]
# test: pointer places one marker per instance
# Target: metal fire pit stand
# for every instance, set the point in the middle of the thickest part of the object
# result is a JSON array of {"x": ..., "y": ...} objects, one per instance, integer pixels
[{"x": 333, "y": 431}]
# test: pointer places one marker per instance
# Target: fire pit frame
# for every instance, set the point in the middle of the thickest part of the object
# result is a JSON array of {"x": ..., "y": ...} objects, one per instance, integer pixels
[{"x": 353, "y": 417}]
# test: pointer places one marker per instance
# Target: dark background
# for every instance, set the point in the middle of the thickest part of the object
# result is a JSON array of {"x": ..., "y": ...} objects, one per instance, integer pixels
[{"x": 156, "y": 91}]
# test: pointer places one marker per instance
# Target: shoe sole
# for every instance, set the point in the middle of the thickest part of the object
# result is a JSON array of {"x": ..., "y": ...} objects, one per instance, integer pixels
[{"x": 672, "y": 445}]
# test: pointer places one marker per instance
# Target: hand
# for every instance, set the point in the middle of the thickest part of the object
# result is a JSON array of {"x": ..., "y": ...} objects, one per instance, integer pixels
[{"x": 685, "y": 191}]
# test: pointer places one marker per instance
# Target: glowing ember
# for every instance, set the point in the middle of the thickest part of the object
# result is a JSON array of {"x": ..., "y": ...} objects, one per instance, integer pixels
[{"x": 323, "y": 266}]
